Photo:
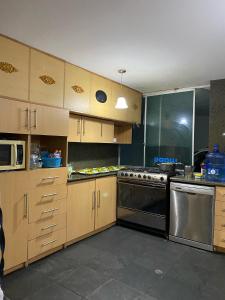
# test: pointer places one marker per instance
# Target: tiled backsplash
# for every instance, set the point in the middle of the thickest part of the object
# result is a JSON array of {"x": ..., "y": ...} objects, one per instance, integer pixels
[{"x": 82, "y": 155}]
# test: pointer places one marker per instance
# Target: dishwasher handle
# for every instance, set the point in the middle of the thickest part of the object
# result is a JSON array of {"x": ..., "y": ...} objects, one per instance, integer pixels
[{"x": 192, "y": 189}]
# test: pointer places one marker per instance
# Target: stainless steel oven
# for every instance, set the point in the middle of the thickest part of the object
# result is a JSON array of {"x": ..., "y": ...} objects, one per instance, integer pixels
[{"x": 144, "y": 203}]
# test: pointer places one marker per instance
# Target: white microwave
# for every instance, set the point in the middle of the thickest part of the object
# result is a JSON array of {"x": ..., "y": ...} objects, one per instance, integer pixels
[{"x": 12, "y": 155}]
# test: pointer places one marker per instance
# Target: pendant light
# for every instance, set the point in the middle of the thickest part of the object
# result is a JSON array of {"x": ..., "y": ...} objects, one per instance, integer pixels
[{"x": 121, "y": 102}]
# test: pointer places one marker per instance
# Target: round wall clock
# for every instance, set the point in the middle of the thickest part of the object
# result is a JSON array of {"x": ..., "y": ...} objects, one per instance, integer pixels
[{"x": 101, "y": 96}]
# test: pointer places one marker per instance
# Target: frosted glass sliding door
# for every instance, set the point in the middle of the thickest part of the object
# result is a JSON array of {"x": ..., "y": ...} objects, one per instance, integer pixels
[{"x": 169, "y": 119}]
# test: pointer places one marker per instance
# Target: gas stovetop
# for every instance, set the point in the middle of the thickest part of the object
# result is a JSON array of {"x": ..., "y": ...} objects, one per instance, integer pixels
[{"x": 152, "y": 174}]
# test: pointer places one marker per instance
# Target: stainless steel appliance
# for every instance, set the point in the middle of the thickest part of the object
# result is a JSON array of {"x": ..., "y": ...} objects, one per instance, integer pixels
[
  {"x": 12, "y": 155},
  {"x": 143, "y": 198},
  {"x": 191, "y": 215}
]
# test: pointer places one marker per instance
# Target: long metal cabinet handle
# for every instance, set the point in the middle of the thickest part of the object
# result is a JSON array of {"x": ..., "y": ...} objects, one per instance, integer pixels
[
  {"x": 93, "y": 200},
  {"x": 27, "y": 124},
  {"x": 49, "y": 226},
  {"x": 99, "y": 199},
  {"x": 25, "y": 214},
  {"x": 47, "y": 243},
  {"x": 83, "y": 127},
  {"x": 35, "y": 118},
  {"x": 78, "y": 127},
  {"x": 101, "y": 129}
]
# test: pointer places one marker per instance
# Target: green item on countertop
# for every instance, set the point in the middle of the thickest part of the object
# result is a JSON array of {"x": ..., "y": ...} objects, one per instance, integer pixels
[{"x": 92, "y": 171}]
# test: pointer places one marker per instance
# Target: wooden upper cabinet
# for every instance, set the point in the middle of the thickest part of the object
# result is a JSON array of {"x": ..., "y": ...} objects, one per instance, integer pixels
[
  {"x": 98, "y": 108},
  {"x": 46, "y": 79},
  {"x": 46, "y": 120},
  {"x": 75, "y": 128},
  {"x": 133, "y": 113},
  {"x": 106, "y": 201},
  {"x": 14, "y": 69},
  {"x": 13, "y": 201},
  {"x": 91, "y": 130},
  {"x": 77, "y": 89},
  {"x": 14, "y": 116},
  {"x": 107, "y": 132}
]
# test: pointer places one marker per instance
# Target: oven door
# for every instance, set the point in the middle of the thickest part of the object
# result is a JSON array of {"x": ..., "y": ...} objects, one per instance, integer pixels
[{"x": 142, "y": 204}]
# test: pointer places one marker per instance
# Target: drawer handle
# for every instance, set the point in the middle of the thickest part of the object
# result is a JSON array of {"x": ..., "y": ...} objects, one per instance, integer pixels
[
  {"x": 49, "y": 210},
  {"x": 47, "y": 243},
  {"x": 49, "y": 195},
  {"x": 25, "y": 214},
  {"x": 49, "y": 226},
  {"x": 49, "y": 178}
]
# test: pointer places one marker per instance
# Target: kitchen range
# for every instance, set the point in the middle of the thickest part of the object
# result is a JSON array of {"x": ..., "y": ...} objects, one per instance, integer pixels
[{"x": 143, "y": 198}]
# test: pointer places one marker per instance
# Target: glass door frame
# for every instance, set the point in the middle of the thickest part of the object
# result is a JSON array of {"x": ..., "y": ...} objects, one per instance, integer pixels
[{"x": 191, "y": 89}]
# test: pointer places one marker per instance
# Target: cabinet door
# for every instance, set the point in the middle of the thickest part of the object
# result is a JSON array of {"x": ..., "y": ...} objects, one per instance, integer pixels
[
  {"x": 13, "y": 189},
  {"x": 106, "y": 201},
  {"x": 77, "y": 89},
  {"x": 133, "y": 113},
  {"x": 14, "y": 69},
  {"x": 107, "y": 132},
  {"x": 46, "y": 79},
  {"x": 49, "y": 120},
  {"x": 80, "y": 209},
  {"x": 74, "y": 128},
  {"x": 14, "y": 116},
  {"x": 91, "y": 130},
  {"x": 98, "y": 108}
]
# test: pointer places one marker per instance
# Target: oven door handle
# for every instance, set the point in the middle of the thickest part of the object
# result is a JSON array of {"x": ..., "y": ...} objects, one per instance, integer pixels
[{"x": 160, "y": 187}]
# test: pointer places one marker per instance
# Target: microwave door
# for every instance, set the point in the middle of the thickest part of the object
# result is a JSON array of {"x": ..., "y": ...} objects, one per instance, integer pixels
[{"x": 6, "y": 156}]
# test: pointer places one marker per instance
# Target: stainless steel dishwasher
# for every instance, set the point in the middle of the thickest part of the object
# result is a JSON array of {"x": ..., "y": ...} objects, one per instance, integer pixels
[{"x": 192, "y": 215}]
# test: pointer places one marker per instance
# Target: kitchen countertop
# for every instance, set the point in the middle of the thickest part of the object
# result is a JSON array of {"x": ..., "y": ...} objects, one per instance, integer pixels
[
  {"x": 78, "y": 177},
  {"x": 184, "y": 179}
]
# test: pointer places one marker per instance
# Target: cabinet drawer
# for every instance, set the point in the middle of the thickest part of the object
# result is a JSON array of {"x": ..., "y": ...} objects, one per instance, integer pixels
[
  {"x": 48, "y": 194},
  {"x": 219, "y": 238},
  {"x": 220, "y": 194},
  {"x": 47, "y": 177},
  {"x": 46, "y": 226},
  {"x": 46, "y": 210},
  {"x": 46, "y": 242},
  {"x": 220, "y": 208},
  {"x": 219, "y": 223}
]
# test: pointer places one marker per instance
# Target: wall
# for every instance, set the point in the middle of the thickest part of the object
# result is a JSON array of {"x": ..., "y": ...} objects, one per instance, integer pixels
[
  {"x": 201, "y": 132},
  {"x": 82, "y": 155},
  {"x": 217, "y": 114}
]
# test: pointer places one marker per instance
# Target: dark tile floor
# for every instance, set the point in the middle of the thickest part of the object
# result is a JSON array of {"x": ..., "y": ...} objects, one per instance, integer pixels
[{"x": 121, "y": 264}]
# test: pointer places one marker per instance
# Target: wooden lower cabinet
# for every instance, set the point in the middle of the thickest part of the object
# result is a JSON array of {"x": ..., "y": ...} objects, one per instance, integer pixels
[
  {"x": 219, "y": 222},
  {"x": 46, "y": 242},
  {"x": 13, "y": 200},
  {"x": 80, "y": 209},
  {"x": 91, "y": 205},
  {"x": 105, "y": 212}
]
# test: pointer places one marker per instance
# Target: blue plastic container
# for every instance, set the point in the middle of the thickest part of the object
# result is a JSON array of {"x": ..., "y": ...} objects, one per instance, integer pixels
[
  {"x": 51, "y": 162},
  {"x": 215, "y": 165}
]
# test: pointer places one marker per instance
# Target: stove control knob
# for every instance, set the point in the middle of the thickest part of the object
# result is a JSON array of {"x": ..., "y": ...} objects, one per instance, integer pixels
[
  {"x": 126, "y": 174},
  {"x": 162, "y": 178},
  {"x": 139, "y": 176},
  {"x": 149, "y": 177},
  {"x": 131, "y": 174},
  {"x": 144, "y": 176},
  {"x": 122, "y": 174}
]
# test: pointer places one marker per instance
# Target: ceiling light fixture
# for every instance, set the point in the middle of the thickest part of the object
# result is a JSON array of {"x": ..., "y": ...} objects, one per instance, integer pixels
[{"x": 121, "y": 102}]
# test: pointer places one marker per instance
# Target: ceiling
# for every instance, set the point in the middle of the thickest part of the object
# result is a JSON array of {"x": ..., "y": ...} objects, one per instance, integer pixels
[{"x": 162, "y": 44}]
